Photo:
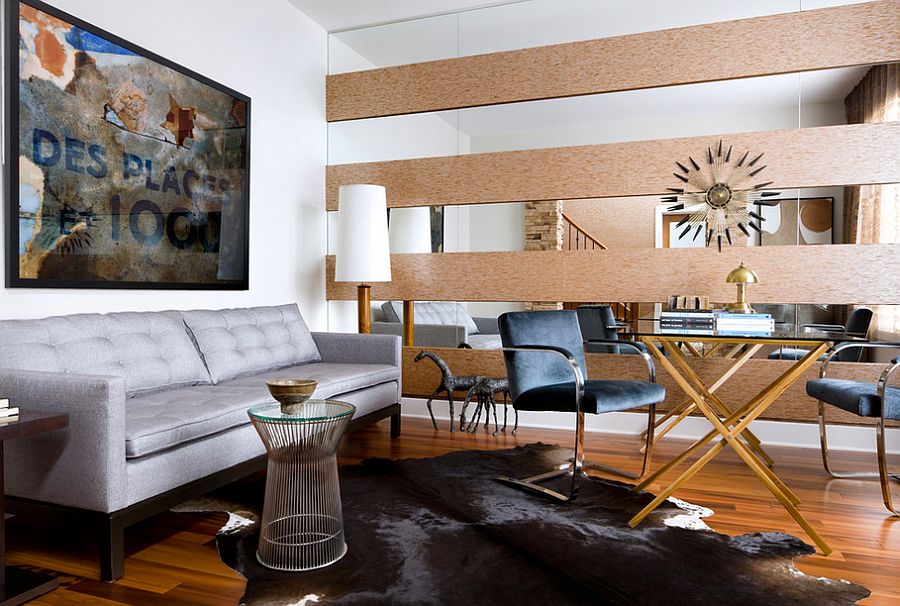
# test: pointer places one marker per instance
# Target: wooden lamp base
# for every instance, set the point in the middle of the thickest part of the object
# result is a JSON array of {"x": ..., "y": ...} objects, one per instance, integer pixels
[{"x": 364, "y": 311}]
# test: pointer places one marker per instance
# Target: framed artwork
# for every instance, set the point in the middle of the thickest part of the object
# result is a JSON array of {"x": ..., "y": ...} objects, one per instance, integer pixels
[
  {"x": 804, "y": 221},
  {"x": 121, "y": 168}
]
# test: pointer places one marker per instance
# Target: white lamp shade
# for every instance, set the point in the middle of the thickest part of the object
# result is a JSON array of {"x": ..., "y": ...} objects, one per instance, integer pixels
[
  {"x": 362, "y": 253},
  {"x": 410, "y": 230}
]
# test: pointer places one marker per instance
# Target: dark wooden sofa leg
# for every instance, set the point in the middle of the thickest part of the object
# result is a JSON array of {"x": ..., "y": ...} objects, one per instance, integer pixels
[
  {"x": 395, "y": 425},
  {"x": 112, "y": 549}
]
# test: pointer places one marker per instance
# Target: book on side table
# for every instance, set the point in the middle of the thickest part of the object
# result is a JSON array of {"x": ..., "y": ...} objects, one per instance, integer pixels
[{"x": 8, "y": 413}]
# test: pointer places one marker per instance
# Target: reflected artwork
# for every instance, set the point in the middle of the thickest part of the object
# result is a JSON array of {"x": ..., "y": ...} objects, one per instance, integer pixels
[{"x": 127, "y": 170}]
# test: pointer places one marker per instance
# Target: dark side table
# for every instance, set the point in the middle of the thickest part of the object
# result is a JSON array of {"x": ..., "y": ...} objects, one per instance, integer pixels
[{"x": 16, "y": 584}]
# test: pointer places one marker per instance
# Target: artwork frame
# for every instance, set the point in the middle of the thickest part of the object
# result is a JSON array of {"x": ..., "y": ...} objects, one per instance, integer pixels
[{"x": 189, "y": 229}]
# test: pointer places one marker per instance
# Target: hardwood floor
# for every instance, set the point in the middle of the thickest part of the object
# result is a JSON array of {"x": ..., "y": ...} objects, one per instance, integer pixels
[{"x": 172, "y": 558}]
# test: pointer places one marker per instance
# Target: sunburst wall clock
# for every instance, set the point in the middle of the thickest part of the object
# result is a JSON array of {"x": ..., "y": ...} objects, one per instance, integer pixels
[{"x": 725, "y": 188}]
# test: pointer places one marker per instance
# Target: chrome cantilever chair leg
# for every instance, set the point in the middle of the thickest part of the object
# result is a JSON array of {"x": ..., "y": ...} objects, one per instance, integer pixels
[
  {"x": 882, "y": 474},
  {"x": 648, "y": 437},
  {"x": 826, "y": 459},
  {"x": 575, "y": 468},
  {"x": 577, "y": 464}
]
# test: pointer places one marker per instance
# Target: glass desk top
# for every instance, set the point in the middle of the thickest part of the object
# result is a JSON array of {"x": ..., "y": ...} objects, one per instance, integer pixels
[
  {"x": 309, "y": 411},
  {"x": 781, "y": 333}
]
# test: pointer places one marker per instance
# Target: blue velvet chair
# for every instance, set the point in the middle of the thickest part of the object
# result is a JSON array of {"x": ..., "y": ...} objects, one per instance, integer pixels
[
  {"x": 857, "y": 323},
  {"x": 544, "y": 355},
  {"x": 598, "y": 323},
  {"x": 877, "y": 400}
]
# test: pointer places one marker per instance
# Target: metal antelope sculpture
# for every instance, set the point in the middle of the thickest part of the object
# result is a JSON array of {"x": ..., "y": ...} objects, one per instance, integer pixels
[
  {"x": 449, "y": 383},
  {"x": 484, "y": 391}
]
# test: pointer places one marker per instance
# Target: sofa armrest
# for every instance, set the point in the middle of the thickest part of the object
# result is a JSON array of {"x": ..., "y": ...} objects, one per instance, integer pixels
[
  {"x": 426, "y": 335},
  {"x": 487, "y": 326},
  {"x": 81, "y": 466},
  {"x": 352, "y": 348}
]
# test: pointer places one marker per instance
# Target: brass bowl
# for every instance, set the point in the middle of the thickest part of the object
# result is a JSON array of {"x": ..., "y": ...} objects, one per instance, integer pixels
[{"x": 292, "y": 393}]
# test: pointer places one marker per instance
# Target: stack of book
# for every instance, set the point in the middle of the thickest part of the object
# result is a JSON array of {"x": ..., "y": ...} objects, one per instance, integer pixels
[
  {"x": 688, "y": 320},
  {"x": 8, "y": 414},
  {"x": 744, "y": 323},
  {"x": 707, "y": 321}
]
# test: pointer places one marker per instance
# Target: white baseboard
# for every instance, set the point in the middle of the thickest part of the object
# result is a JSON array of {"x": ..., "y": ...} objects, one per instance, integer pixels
[{"x": 776, "y": 433}]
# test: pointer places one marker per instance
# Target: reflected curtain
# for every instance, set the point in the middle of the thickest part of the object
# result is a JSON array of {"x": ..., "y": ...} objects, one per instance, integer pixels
[{"x": 872, "y": 212}]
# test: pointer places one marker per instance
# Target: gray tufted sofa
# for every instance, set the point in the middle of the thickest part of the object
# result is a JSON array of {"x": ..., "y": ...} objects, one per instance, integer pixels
[{"x": 158, "y": 401}]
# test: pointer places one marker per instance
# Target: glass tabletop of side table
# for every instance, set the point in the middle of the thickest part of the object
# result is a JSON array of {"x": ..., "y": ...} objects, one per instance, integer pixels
[{"x": 302, "y": 527}]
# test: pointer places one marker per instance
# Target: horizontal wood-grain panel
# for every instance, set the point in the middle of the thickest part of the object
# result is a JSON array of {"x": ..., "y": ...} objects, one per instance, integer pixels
[
  {"x": 421, "y": 378},
  {"x": 837, "y": 274},
  {"x": 808, "y": 157},
  {"x": 790, "y": 42}
]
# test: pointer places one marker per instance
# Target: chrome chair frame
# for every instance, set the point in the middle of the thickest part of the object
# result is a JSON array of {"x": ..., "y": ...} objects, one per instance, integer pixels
[
  {"x": 883, "y": 474},
  {"x": 578, "y": 464}
]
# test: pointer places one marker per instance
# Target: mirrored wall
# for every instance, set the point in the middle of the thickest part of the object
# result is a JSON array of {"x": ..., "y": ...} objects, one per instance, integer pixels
[{"x": 802, "y": 217}]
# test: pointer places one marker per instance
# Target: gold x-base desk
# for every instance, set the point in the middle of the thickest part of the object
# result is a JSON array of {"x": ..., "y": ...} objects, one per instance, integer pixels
[{"x": 732, "y": 427}]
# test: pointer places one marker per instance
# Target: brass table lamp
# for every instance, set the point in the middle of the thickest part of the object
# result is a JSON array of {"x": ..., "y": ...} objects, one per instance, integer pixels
[{"x": 741, "y": 276}]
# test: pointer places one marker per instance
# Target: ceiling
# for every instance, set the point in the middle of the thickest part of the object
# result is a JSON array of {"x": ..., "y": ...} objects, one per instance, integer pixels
[{"x": 336, "y": 15}]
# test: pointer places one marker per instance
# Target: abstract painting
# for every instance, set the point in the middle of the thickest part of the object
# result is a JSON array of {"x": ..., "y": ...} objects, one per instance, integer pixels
[
  {"x": 123, "y": 169},
  {"x": 807, "y": 221}
]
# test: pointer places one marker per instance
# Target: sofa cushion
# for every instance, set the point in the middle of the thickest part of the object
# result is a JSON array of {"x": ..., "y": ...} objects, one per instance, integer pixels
[
  {"x": 432, "y": 312},
  {"x": 149, "y": 350},
  {"x": 484, "y": 342},
  {"x": 239, "y": 342},
  {"x": 334, "y": 379},
  {"x": 161, "y": 420}
]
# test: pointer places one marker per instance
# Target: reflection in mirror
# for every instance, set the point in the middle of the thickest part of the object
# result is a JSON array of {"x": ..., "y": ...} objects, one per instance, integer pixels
[
  {"x": 396, "y": 138},
  {"x": 425, "y": 39},
  {"x": 787, "y": 101},
  {"x": 516, "y": 25},
  {"x": 806, "y": 216},
  {"x": 445, "y": 323}
]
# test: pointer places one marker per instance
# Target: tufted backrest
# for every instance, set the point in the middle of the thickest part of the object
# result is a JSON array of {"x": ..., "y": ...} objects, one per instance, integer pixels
[
  {"x": 238, "y": 342},
  {"x": 444, "y": 313},
  {"x": 150, "y": 350}
]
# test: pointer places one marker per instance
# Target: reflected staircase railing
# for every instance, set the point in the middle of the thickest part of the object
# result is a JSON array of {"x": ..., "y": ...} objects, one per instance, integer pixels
[{"x": 575, "y": 237}]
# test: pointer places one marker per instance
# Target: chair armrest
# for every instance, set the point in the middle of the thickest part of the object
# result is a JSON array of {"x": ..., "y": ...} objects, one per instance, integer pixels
[
  {"x": 567, "y": 355},
  {"x": 352, "y": 348},
  {"x": 639, "y": 348},
  {"x": 852, "y": 344},
  {"x": 83, "y": 465},
  {"x": 887, "y": 411},
  {"x": 487, "y": 326},
  {"x": 426, "y": 335}
]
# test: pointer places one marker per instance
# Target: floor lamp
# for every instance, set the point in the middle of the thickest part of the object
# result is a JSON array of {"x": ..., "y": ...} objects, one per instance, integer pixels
[{"x": 362, "y": 255}]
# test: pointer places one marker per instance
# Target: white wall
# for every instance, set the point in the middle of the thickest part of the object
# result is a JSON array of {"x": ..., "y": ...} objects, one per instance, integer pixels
[{"x": 276, "y": 55}]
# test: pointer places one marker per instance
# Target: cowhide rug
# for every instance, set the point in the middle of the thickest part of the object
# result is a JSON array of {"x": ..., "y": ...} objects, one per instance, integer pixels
[{"x": 442, "y": 531}]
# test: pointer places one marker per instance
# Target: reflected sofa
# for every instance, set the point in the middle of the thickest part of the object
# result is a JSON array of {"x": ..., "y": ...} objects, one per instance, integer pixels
[
  {"x": 157, "y": 405},
  {"x": 438, "y": 324}
]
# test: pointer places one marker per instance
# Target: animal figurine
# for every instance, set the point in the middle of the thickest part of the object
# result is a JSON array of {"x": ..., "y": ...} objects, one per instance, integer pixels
[
  {"x": 449, "y": 383},
  {"x": 484, "y": 391}
]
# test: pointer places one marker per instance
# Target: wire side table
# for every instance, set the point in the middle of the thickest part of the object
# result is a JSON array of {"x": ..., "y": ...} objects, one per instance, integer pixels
[{"x": 302, "y": 527}]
